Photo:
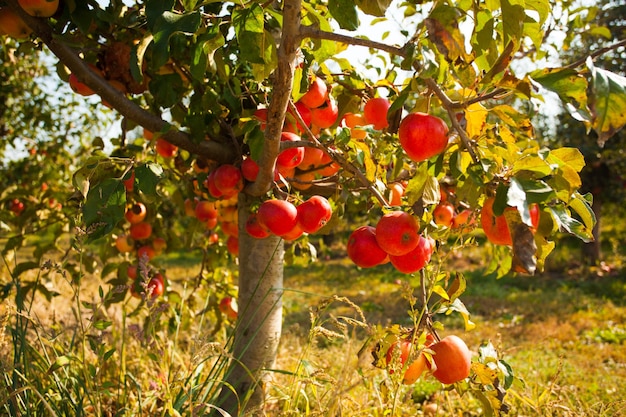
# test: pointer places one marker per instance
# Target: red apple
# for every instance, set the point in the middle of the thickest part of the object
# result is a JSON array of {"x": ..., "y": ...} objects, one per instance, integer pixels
[
  {"x": 375, "y": 112},
  {"x": 363, "y": 248},
  {"x": 278, "y": 216},
  {"x": 422, "y": 136},
  {"x": 316, "y": 94},
  {"x": 314, "y": 213}
]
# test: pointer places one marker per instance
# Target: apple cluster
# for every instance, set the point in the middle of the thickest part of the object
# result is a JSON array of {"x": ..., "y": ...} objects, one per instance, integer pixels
[
  {"x": 282, "y": 218},
  {"x": 395, "y": 239},
  {"x": 448, "y": 360},
  {"x": 138, "y": 239}
]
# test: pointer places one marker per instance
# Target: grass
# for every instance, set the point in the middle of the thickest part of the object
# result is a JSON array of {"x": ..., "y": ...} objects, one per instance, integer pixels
[{"x": 562, "y": 335}]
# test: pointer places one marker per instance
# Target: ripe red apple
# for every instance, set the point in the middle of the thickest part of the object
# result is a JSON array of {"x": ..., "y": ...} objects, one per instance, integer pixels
[
  {"x": 124, "y": 244},
  {"x": 205, "y": 210},
  {"x": 353, "y": 120},
  {"x": 129, "y": 183},
  {"x": 278, "y": 216},
  {"x": 249, "y": 169},
  {"x": 230, "y": 228},
  {"x": 294, "y": 233},
  {"x": 316, "y": 94},
  {"x": 443, "y": 214},
  {"x": 452, "y": 359},
  {"x": 363, "y": 249},
  {"x": 496, "y": 228},
  {"x": 136, "y": 213},
  {"x": 396, "y": 191},
  {"x": 292, "y": 120},
  {"x": 16, "y": 206},
  {"x": 13, "y": 25},
  {"x": 81, "y": 88},
  {"x": 314, "y": 213},
  {"x": 132, "y": 271},
  {"x": 165, "y": 149},
  {"x": 463, "y": 219},
  {"x": 232, "y": 245},
  {"x": 415, "y": 259},
  {"x": 255, "y": 228},
  {"x": 326, "y": 115},
  {"x": 228, "y": 180},
  {"x": 375, "y": 112},
  {"x": 209, "y": 183},
  {"x": 397, "y": 232},
  {"x": 402, "y": 350},
  {"x": 312, "y": 158},
  {"x": 39, "y": 8},
  {"x": 146, "y": 251},
  {"x": 422, "y": 136},
  {"x": 140, "y": 231},
  {"x": 291, "y": 157},
  {"x": 228, "y": 306},
  {"x": 156, "y": 286}
]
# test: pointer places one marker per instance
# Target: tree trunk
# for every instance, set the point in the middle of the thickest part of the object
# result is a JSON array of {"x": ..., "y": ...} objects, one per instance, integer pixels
[
  {"x": 258, "y": 329},
  {"x": 592, "y": 252}
]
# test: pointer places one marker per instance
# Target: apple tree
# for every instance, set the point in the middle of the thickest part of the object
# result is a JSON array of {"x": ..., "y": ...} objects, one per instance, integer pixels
[{"x": 245, "y": 120}]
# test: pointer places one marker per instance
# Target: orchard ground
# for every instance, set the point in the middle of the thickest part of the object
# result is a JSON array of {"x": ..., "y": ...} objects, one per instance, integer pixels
[{"x": 562, "y": 332}]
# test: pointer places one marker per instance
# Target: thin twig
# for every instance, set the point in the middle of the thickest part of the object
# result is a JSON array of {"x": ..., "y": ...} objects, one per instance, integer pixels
[{"x": 596, "y": 54}]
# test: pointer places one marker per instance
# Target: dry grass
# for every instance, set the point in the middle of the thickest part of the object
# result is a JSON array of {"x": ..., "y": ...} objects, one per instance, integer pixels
[{"x": 562, "y": 337}]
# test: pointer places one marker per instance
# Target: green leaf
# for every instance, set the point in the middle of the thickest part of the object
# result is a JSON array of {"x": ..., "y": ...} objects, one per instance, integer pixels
[
  {"x": 165, "y": 26},
  {"x": 147, "y": 178},
  {"x": 567, "y": 223},
  {"x": 204, "y": 52},
  {"x": 570, "y": 86},
  {"x": 23, "y": 267},
  {"x": 513, "y": 16},
  {"x": 344, "y": 12},
  {"x": 59, "y": 362},
  {"x": 137, "y": 54},
  {"x": 607, "y": 102},
  {"x": 167, "y": 89},
  {"x": 104, "y": 207},
  {"x": 102, "y": 324},
  {"x": 322, "y": 49},
  {"x": 248, "y": 24},
  {"x": 374, "y": 7},
  {"x": 458, "y": 306}
]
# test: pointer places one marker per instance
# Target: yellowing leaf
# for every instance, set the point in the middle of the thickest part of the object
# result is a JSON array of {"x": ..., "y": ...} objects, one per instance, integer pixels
[
  {"x": 476, "y": 116},
  {"x": 570, "y": 157},
  {"x": 608, "y": 102}
]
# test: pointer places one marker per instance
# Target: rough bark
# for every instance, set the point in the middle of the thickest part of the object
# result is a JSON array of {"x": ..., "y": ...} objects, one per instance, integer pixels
[{"x": 259, "y": 324}]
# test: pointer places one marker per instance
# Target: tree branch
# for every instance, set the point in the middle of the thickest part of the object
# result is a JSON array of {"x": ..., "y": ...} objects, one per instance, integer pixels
[
  {"x": 311, "y": 32},
  {"x": 210, "y": 149},
  {"x": 596, "y": 54},
  {"x": 281, "y": 94}
]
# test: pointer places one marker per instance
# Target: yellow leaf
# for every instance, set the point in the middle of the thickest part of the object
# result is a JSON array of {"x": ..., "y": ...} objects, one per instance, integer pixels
[{"x": 476, "y": 116}]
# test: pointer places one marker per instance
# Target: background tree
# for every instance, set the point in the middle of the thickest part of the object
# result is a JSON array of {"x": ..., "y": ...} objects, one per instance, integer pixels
[
  {"x": 600, "y": 31},
  {"x": 210, "y": 86}
]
